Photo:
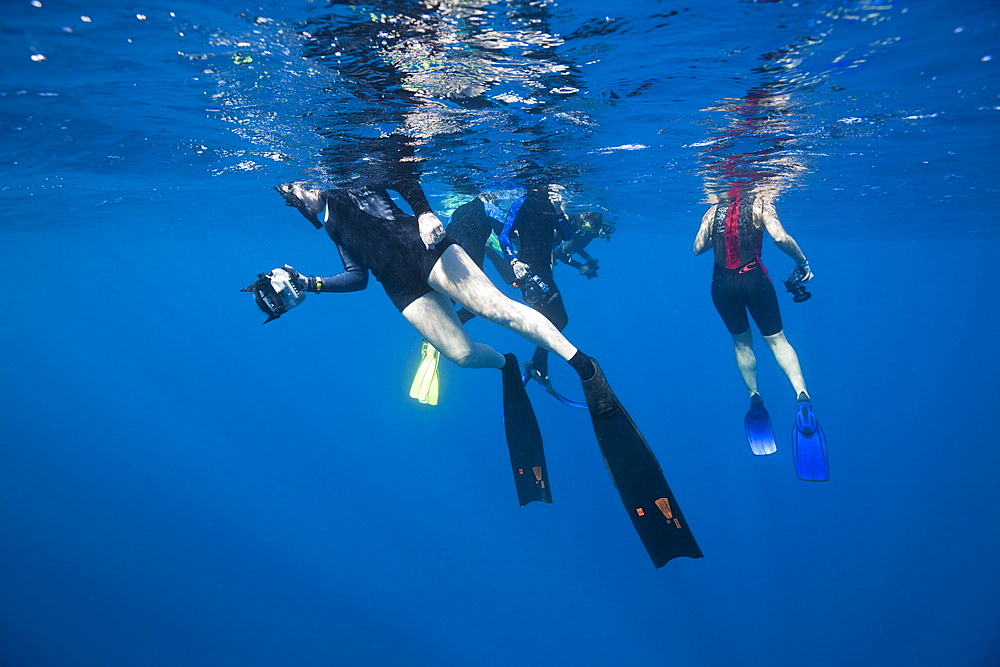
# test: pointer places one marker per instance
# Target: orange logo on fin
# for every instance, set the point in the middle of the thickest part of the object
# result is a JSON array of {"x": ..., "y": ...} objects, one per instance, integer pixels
[{"x": 664, "y": 506}]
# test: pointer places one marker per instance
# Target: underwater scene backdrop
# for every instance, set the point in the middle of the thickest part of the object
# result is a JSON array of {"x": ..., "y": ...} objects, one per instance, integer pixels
[{"x": 180, "y": 485}]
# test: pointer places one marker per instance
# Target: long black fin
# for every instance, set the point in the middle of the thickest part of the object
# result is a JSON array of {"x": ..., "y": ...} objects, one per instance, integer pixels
[
  {"x": 524, "y": 439},
  {"x": 655, "y": 512}
]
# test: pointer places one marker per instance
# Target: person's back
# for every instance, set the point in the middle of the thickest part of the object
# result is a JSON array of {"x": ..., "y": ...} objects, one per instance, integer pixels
[
  {"x": 734, "y": 229},
  {"x": 536, "y": 224},
  {"x": 736, "y": 236}
]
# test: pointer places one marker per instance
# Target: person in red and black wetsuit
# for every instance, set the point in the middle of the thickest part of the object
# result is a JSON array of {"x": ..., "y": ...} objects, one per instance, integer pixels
[{"x": 735, "y": 228}]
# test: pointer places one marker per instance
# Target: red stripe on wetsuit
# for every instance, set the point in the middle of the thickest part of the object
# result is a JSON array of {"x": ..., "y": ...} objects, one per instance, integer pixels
[{"x": 733, "y": 234}]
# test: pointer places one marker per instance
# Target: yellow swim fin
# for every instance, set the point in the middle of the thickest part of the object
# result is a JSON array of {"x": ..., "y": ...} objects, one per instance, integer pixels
[{"x": 426, "y": 383}]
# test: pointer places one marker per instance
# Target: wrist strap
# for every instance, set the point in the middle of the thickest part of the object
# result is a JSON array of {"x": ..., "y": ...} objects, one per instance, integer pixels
[{"x": 317, "y": 284}]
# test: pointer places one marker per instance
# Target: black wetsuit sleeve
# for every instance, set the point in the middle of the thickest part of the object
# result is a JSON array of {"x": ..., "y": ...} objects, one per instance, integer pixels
[
  {"x": 411, "y": 192},
  {"x": 354, "y": 278}
]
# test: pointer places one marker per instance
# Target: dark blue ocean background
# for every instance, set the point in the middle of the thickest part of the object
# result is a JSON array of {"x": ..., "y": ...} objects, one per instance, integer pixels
[{"x": 180, "y": 485}]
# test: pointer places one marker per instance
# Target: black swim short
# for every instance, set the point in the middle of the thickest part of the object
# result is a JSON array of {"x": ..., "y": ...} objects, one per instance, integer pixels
[
  {"x": 390, "y": 248},
  {"x": 736, "y": 291},
  {"x": 407, "y": 282}
]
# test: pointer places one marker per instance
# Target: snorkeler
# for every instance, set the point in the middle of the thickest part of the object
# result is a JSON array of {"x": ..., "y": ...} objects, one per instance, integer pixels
[
  {"x": 537, "y": 223},
  {"x": 587, "y": 226},
  {"x": 533, "y": 222},
  {"x": 422, "y": 271},
  {"x": 734, "y": 229},
  {"x": 473, "y": 225}
]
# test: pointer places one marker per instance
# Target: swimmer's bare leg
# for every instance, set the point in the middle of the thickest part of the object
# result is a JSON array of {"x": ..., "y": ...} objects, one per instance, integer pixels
[
  {"x": 434, "y": 317},
  {"x": 788, "y": 360},
  {"x": 746, "y": 360},
  {"x": 456, "y": 276}
]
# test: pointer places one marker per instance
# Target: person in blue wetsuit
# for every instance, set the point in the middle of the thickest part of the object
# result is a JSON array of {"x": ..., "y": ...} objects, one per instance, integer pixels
[
  {"x": 734, "y": 229},
  {"x": 537, "y": 222}
]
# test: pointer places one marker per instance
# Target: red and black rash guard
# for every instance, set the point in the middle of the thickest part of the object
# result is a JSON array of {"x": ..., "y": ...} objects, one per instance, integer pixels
[
  {"x": 739, "y": 281},
  {"x": 735, "y": 238}
]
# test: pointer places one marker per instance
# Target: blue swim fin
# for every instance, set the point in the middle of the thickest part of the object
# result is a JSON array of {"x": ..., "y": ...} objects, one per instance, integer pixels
[
  {"x": 757, "y": 424},
  {"x": 809, "y": 445}
]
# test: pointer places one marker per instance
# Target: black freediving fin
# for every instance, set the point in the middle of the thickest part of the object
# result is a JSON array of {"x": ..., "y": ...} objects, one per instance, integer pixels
[
  {"x": 524, "y": 438},
  {"x": 655, "y": 512}
]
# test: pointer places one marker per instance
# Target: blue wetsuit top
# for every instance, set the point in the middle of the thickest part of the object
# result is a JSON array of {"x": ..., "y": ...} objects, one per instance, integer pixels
[{"x": 536, "y": 221}]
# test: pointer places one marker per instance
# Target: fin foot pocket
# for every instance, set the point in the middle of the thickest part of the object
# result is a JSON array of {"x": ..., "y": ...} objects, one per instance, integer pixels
[
  {"x": 809, "y": 446},
  {"x": 597, "y": 392},
  {"x": 757, "y": 425}
]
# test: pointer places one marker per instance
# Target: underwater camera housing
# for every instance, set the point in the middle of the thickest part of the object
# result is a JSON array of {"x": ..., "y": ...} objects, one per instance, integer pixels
[
  {"x": 277, "y": 291},
  {"x": 795, "y": 285},
  {"x": 535, "y": 290}
]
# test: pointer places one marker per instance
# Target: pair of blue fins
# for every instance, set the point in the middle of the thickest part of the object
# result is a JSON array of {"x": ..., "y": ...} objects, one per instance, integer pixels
[{"x": 808, "y": 441}]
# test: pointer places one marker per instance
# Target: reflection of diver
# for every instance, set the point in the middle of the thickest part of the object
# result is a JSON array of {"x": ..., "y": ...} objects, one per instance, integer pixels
[
  {"x": 423, "y": 274},
  {"x": 734, "y": 229}
]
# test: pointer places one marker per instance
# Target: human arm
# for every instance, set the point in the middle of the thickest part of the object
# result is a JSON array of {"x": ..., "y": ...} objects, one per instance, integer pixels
[
  {"x": 430, "y": 226},
  {"x": 588, "y": 267},
  {"x": 353, "y": 278},
  {"x": 508, "y": 229},
  {"x": 703, "y": 239},
  {"x": 507, "y": 245},
  {"x": 563, "y": 227},
  {"x": 765, "y": 213}
]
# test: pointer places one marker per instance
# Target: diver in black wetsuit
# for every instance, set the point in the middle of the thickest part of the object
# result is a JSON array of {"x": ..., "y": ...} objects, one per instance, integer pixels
[
  {"x": 586, "y": 226},
  {"x": 471, "y": 225},
  {"x": 537, "y": 223},
  {"x": 422, "y": 272},
  {"x": 734, "y": 229}
]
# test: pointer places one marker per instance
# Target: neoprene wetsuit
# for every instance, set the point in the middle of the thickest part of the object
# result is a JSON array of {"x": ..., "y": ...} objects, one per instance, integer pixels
[
  {"x": 537, "y": 223},
  {"x": 373, "y": 234},
  {"x": 739, "y": 280}
]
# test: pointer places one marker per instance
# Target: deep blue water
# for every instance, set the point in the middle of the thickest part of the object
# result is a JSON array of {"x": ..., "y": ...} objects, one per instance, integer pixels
[{"x": 182, "y": 486}]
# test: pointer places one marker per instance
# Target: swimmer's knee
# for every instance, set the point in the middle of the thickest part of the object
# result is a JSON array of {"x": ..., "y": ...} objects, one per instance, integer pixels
[
  {"x": 464, "y": 358},
  {"x": 744, "y": 339},
  {"x": 775, "y": 338}
]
